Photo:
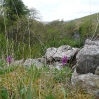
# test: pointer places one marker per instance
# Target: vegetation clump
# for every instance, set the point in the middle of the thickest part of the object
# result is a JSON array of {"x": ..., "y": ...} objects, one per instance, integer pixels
[{"x": 44, "y": 83}]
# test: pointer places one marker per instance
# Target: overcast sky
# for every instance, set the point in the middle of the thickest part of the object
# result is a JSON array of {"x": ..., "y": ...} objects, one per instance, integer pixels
[{"x": 63, "y": 9}]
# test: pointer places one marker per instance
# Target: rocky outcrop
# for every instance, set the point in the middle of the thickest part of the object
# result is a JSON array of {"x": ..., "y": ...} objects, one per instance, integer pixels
[
  {"x": 52, "y": 58},
  {"x": 29, "y": 62},
  {"x": 88, "y": 57},
  {"x": 65, "y": 50},
  {"x": 56, "y": 54},
  {"x": 86, "y": 74},
  {"x": 88, "y": 82}
]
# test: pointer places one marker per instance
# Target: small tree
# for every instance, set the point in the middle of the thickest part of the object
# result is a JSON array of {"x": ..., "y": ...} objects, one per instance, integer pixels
[
  {"x": 14, "y": 9},
  {"x": 34, "y": 14}
]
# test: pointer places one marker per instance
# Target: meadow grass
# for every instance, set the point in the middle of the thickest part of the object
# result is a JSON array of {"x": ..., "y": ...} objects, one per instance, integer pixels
[{"x": 32, "y": 83}]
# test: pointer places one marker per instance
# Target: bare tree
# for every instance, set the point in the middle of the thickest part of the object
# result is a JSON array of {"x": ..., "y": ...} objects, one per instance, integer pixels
[{"x": 34, "y": 14}]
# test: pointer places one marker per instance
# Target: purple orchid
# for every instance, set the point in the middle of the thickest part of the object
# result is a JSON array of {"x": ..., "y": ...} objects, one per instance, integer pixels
[
  {"x": 9, "y": 59},
  {"x": 64, "y": 60}
]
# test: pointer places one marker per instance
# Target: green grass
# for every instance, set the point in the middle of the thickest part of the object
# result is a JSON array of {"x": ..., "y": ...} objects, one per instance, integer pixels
[{"x": 43, "y": 83}]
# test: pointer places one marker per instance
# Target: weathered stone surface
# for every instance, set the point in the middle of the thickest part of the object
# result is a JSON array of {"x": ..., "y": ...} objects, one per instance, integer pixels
[
  {"x": 88, "y": 57},
  {"x": 17, "y": 62},
  {"x": 49, "y": 53},
  {"x": 57, "y": 65},
  {"x": 42, "y": 60},
  {"x": 62, "y": 51},
  {"x": 58, "y": 53},
  {"x": 34, "y": 62},
  {"x": 97, "y": 71},
  {"x": 88, "y": 82}
]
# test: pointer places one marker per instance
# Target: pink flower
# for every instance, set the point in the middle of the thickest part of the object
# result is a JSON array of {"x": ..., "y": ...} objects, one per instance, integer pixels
[
  {"x": 9, "y": 59},
  {"x": 64, "y": 60}
]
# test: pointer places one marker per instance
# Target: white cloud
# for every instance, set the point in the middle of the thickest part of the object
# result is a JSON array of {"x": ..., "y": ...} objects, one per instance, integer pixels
[{"x": 63, "y": 9}]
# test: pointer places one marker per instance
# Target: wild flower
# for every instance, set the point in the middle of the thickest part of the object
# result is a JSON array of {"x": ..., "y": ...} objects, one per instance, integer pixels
[
  {"x": 64, "y": 60},
  {"x": 9, "y": 59}
]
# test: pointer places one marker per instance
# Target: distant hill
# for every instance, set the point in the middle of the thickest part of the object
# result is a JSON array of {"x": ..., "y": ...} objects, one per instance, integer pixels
[
  {"x": 80, "y": 20},
  {"x": 92, "y": 17}
]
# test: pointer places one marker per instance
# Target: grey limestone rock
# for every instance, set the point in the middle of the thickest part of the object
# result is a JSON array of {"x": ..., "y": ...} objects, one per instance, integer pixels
[
  {"x": 29, "y": 62},
  {"x": 88, "y": 82},
  {"x": 88, "y": 57},
  {"x": 97, "y": 71},
  {"x": 57, "y": 54}
]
